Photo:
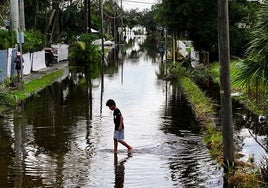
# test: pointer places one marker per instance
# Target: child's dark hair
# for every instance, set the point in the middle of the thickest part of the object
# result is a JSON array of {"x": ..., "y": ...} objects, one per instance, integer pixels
[{"x": 110, "y": 102}]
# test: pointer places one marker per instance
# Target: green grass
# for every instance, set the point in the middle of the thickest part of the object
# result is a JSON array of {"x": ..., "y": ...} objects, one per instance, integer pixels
[
  {"x": 204, "y": 113},
  {"x": 9, "y": 99},
  {"x": 34, "y": 86},
  {"x": 214, "y": 71},
  {"x": 213, "y": 137},
  {"x": 241, "y": 177},
  {"x": 195, "y": 96},
  {"x": 244, "y": 98}
]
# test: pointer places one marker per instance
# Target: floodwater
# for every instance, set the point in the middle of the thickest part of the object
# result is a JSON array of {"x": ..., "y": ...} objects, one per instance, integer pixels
[
  {"x": 63, "y": 137},
  {"x": 250, "y": 133}
]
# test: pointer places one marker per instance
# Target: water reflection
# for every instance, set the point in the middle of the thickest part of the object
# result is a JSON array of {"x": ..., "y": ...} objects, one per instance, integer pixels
[
  {"x": 250, "y": 134},
  {"x": 63, "y": 137},
  {"x": 119, "y": 170}
]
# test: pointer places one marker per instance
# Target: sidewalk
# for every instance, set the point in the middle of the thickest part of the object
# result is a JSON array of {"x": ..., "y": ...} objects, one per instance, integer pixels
[{"x": 45, "y": 71}]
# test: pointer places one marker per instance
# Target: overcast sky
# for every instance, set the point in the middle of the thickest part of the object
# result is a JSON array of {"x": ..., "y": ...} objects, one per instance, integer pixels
[{"x": 139, "y": 4}]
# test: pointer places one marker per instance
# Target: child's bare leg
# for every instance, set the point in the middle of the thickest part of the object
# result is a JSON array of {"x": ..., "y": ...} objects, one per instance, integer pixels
[
  {"x": 126, "y": 145},
  {"x": 115, "y": 145}
]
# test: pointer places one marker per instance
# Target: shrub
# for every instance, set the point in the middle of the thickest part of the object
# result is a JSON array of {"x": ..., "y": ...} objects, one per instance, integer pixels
[
  {"x": 6, "y": 100},
  {"x": 33, "y": 41},
  {"x": 7, "y": 39},
  {"x": 84, "y": 55},
  {"x": 88, "y": 38}
]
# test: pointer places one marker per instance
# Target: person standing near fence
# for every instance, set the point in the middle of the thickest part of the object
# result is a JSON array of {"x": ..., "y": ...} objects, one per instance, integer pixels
[{"x": 19, "y": 65}]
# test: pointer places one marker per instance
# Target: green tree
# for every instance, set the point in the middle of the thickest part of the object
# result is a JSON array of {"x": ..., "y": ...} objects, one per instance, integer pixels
[
  {"x": 241, "y": 19},
  {"x": 36, "y": 13},
  {"x": 7, "y": 39},
  {"x": 132, "y": 18},
  {"x": 196, "y": 21},
  {"x": 112, "y": 16},
  {"x": 254, "y": 69},
  {"x": 148, "y": 20},
  {"x": 57, "y": 19},
  {"x": 192, "y": 20},
  {"x": 4, "y": 5}
]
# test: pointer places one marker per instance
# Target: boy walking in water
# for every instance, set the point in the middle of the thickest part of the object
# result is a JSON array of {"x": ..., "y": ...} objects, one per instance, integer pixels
[{"x": 118, "y": 126}]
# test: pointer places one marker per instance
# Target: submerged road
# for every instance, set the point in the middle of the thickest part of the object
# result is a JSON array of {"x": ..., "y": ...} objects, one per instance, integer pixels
[{"x": 63, "y": 137}]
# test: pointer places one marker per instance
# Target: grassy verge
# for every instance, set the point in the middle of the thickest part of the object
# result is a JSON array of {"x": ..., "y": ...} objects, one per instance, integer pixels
[
  {"x": 245, "y": 174},
  {"x": 9, "y": 99},
  {"x": 36, "y": 85},
  {"x": 204, "y": 114},
  {"x": 202, "y": 106},
  {"x": 245, "y": 99}
]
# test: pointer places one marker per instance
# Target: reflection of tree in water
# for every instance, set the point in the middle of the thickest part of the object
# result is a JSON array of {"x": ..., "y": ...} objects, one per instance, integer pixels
[
  {"x": 51, "y": 121},
  {"x": 187, "y": 158},
  {"x": 119, "y": 171},
  {"x": 6, "y": 154},
  {"x": 181, "y": 113},
  {"x": 112, "y": 61},
  {"x": 52, "y": 116},
  {"x": 112, "y": 56},
  {"x": 130, "y": 43},
  {"x": 150, "y": 46},
  {"x": 131, "y": 50}
]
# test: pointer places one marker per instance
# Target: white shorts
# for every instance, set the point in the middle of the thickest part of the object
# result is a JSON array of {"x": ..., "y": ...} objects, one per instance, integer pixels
[{"x": 119, "y": 135}]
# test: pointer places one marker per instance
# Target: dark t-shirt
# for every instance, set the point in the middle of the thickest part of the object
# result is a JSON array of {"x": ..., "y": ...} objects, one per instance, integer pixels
[
  {"x": 18, "y": 62},
  {"x": 117, "y": 114}
]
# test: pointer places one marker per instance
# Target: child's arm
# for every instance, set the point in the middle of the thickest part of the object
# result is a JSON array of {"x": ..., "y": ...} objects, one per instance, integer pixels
[{"x": 121, "y": 122}]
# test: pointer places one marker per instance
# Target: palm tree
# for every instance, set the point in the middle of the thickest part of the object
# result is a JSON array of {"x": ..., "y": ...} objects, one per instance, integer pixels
[{"x": 253, "y": 71}]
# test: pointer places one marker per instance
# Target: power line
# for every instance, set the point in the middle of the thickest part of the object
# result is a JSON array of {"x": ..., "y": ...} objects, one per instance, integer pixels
[{"x": 139, "y": 2}]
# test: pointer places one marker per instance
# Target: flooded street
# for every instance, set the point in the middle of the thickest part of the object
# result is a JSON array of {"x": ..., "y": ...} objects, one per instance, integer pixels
[{"x": 64, "y": 137}]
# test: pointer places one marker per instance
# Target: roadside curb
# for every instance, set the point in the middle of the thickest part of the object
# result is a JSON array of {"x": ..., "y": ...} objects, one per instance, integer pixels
[{"x": 45, "y": 71}]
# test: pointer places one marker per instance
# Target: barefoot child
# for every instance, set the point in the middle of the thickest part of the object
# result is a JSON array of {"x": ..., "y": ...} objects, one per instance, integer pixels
[{"x": 118, "y": 126}]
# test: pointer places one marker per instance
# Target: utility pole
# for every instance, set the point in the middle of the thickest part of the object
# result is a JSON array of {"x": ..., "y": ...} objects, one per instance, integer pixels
[
  {"x": 174, "y": 48},
  {"x": 18, "y": 22},
  {"x": 14, "y": 14},
  {"x": 225, "y": 89},
  {"x": 21, "y": 31},
  {"x": 121, "y": 35},
  {"x": 17, "y": 15},
  {"x": 101, "y": 29},
  {"x": 21, "y": 15},
  {"x": 102, "y": 49},
  {"x": 88, "y": 15}
]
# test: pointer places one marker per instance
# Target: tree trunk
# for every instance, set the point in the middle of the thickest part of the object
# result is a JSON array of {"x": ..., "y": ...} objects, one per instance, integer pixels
[{"x": 55, "y": 33}]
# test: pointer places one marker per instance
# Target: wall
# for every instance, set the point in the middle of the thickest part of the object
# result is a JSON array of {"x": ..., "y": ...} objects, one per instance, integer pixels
[{"x": 32, "y": 61}]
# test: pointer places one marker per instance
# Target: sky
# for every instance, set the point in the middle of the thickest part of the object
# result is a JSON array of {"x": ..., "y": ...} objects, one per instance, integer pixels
[{"x": 138, "y": 4}]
